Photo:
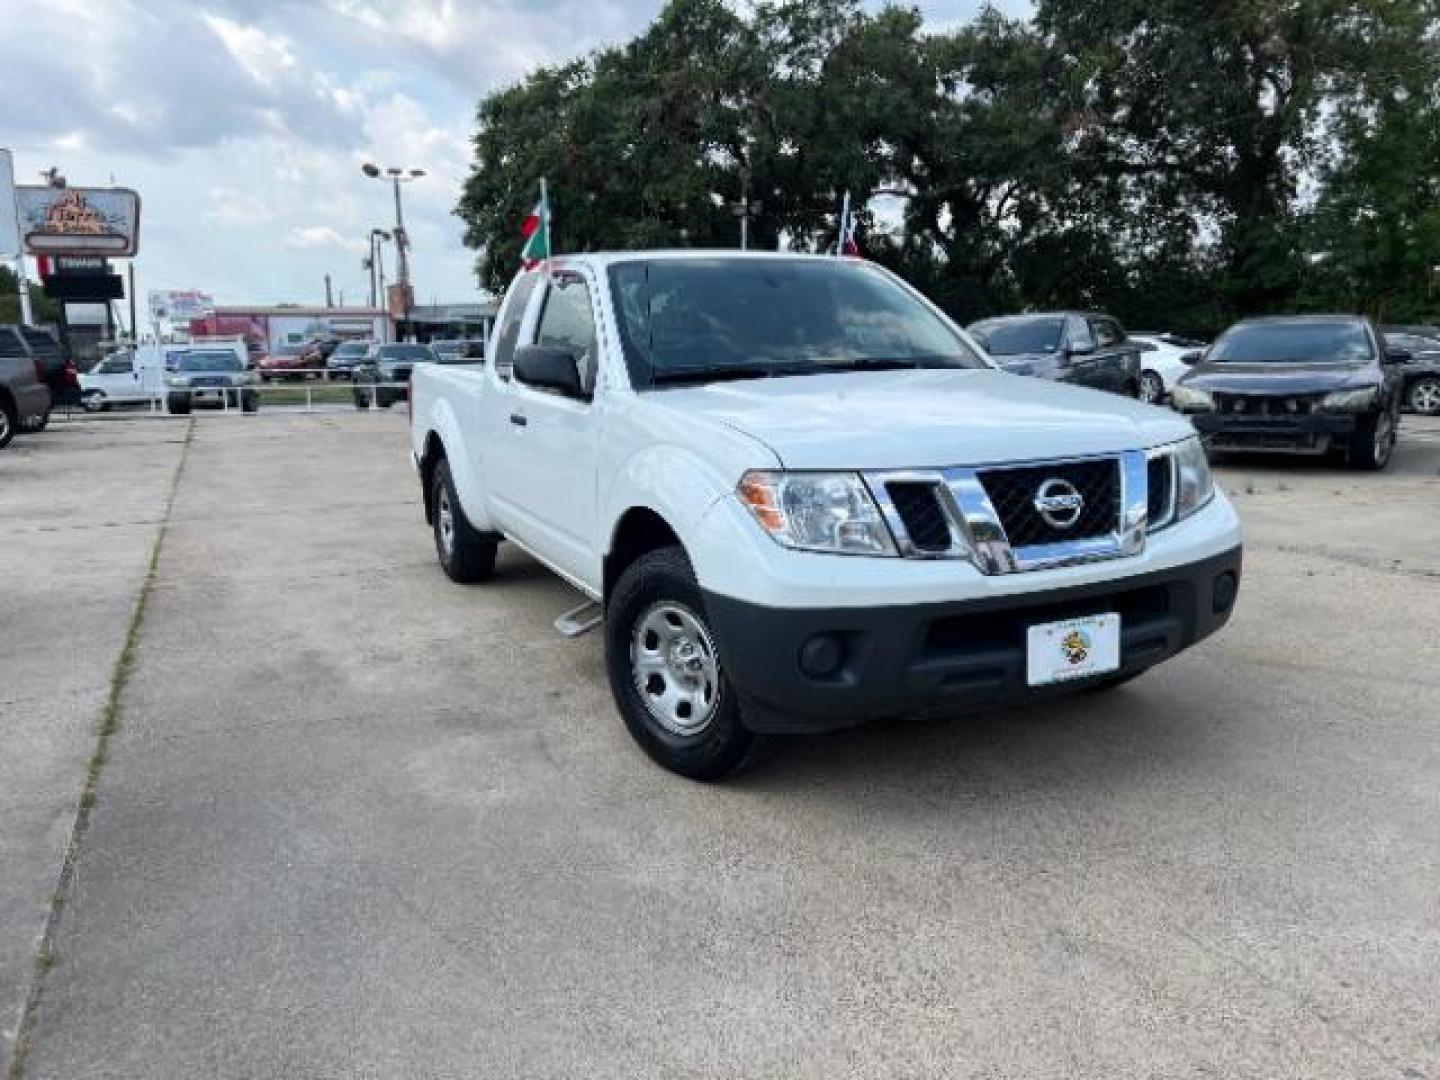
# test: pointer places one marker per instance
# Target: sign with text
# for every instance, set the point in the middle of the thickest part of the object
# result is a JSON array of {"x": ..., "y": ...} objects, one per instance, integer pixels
[
  {"x": 78, "y": 221},
  {"x": 181, "y": 305},
  {"x": 9, "y": 219}
]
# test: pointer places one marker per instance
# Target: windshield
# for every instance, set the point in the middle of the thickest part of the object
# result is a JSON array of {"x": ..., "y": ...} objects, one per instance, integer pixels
[
  {"x": 210, "y": 361},
  {"x": 1310, "y": 342},
  {"x": 717, "y": 317},
  {"x": 1011, "y": 337},
  {"x": 406, "y": 352},
  {"x": 351, "y": 348}
]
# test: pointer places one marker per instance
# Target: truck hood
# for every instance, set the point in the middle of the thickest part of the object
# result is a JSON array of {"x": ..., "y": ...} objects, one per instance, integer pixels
[
  {"x": 1282, "y": 379},
  {"x": 925, "y": 419}
]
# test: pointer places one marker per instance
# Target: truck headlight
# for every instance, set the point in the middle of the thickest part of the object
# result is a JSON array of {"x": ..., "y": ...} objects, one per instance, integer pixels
[
  {"x": 815, "y": 511},
  {"x": 1192, "y": 399},
  {"x": 1194, "y": 485},
  {"x": 1362, "y": 400},
  {"x": 176, "y": 380}
]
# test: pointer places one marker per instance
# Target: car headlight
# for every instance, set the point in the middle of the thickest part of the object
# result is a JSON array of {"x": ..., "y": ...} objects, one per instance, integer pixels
[
  {"x": 1192, "y": 399},
  {"x": 1361, "y": 400},
  {"x": 815, "y": 511},
  {"x": 1194, "y": 486}
]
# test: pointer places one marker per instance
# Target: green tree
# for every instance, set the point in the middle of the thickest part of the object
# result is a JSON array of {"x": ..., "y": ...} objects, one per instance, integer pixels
[{"x": 44, "y": 309}]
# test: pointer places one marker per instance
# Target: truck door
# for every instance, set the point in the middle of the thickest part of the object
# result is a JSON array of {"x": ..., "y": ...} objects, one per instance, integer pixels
[{"x": 554, "y": 474}]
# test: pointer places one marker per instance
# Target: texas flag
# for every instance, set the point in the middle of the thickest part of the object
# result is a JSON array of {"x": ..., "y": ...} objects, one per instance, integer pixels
[{"x": 536, "y": 231}]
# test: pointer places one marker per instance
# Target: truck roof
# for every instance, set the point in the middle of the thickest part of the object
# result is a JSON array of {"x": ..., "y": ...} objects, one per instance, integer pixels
[{"x": 607, "y": 258}]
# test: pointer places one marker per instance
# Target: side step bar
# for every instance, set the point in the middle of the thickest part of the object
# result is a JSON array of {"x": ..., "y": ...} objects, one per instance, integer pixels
[{"x": 582, "y": 620}]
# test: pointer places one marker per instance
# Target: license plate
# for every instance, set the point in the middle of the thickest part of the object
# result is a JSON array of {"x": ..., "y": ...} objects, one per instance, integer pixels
[{"x": 1072, "y": 649}]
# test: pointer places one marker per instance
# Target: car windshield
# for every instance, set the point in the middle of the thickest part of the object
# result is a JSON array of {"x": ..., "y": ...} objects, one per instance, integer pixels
[
  {"x": 703, "y": 318},
  {"x": 351, "y": 348},
  {"x": 406, "y": 352},
  {"x": 210, "y": 361},
  {"x": 1011, "y": 337},
  {"x": 1314, "y": 341}
]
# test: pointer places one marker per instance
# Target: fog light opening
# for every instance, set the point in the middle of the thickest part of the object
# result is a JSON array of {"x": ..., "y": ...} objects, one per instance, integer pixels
[
  {"x": 821, "y": 656},
  {"x": 1222, "y": 593}
]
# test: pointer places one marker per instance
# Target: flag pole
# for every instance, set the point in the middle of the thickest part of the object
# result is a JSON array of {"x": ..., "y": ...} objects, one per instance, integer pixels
[
  {"x": 844, "y": 226},
  {"x": 545, "y": 202}
]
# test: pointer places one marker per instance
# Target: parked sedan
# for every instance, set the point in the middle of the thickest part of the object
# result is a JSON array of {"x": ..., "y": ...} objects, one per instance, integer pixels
[
  {"x": 1421, "y": 372},
  {"x": 1161, "y": 363},
  {"x": 1075, "y": 347},
  {"x": 385, "y": 366},
  {"x": 1308, "y": 384}
]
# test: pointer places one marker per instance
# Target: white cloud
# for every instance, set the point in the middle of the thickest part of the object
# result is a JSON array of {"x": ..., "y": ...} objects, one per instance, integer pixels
[{"x": 303, "y": 237}]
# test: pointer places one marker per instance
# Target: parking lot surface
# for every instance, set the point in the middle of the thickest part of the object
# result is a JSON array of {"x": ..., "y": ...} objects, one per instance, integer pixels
[{"x": 359, "y": 821}]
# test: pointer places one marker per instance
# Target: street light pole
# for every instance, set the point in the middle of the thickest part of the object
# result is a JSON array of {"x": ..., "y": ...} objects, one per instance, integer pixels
[{"x": 397, "y": 177}]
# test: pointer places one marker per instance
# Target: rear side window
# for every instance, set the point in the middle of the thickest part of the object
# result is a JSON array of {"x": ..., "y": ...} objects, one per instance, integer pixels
[
  {"x": 1107, "y": 332},
  {"x": 43, "y": 343},
  {"x": 508, "y": 333},
  {"x": 10, "y": 343}
]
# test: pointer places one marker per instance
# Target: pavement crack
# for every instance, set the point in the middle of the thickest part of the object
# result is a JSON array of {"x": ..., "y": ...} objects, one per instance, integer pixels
[{"x": 45, "y": 955}]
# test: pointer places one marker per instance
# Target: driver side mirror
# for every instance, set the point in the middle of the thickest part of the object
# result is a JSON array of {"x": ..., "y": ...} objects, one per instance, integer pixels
[
  {"x": 1398, "y": 356},
  {"x": 549, "y": 368},
  {"x": 1191, "y": 358}
]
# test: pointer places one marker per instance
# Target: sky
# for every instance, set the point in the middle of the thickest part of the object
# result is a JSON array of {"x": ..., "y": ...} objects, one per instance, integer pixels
[{"x": 244, "y": 123}]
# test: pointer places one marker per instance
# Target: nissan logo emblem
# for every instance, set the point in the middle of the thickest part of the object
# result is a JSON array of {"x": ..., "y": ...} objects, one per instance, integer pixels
[{"x": 1059, "y": 503}]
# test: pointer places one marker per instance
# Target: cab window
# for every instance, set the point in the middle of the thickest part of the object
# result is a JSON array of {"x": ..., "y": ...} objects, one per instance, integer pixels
[
  {"x": 567, "y": 322},
  {"x": 507, "y": 335},
  {"x": 1107, "y": 332}
]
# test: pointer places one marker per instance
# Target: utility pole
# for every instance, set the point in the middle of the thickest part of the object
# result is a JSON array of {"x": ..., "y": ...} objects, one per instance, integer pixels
[
  {"x": 402, "y": 240},
  {"x": 134, "y": 326},
  {"x": 329, "y": 296}
]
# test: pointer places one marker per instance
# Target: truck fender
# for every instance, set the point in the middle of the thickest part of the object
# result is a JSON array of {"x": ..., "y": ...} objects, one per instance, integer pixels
[
  {"x": 466, "y": 466},
  {"x": 669, "y": 482}
]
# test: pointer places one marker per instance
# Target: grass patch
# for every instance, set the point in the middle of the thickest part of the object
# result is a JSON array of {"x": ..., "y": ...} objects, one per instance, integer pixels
[{"x": 321, "y": 393}]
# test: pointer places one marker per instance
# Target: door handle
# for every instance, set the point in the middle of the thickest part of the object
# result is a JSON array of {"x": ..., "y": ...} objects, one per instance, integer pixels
[{"x": 518, "y": 420}]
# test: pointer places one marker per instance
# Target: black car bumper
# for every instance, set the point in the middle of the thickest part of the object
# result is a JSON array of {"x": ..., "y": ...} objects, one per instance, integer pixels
[
  {"x": 1313, "y": 432},
  {"x": 961, "y": 654}
]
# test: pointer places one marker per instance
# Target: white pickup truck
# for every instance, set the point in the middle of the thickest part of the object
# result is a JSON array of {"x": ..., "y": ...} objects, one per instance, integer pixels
[{"x": 802, "y": 498}]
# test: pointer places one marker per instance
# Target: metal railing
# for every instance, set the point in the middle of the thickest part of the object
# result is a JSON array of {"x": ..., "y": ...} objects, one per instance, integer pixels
[{"x": 338, "y": 392}]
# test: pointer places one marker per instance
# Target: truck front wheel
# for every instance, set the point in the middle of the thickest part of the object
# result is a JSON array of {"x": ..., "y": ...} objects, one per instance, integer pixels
[
  {"x": 666, "y": 673},
  {"x": 466, "y": 554}
]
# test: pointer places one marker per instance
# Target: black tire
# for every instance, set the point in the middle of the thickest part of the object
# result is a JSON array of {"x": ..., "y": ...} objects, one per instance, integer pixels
[
  {"x": 466, "y": 554},
  {"x": 1423, "y": 395},
  {"x": 36, "y": 424},
  {"x": 1373, "y": 444},
  {"x": 94, "y": 401},
  {"x": 9, "y": 422},
  {"x": 178, "y": 404},
  {"x": 657, "y": 585},
  {"x": 250, "y": 401},
  {"x": 383, "y": 400}
]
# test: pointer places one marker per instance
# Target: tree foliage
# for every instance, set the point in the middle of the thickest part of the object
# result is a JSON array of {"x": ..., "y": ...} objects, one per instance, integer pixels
[
  {"x": 44, "y": 309},
  {"x": 1174, "y": 162}
]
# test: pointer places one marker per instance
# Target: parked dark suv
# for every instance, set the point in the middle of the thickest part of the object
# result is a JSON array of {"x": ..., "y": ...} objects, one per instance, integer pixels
[
  {"x": 53, "y": 367},
  {"x": 1068, "y": 346},
  {"x": 24, "y": 397},
  {"x": 379, "y": 376},
  {"x": 1308, "y": 384}
]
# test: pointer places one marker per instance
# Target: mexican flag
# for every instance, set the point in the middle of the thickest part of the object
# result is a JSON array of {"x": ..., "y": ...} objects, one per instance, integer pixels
[{"x": 536, "y": 231}]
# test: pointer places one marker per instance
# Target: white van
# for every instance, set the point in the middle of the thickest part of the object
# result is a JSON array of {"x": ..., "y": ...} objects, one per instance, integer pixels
[{"x": 125, "y": 377}]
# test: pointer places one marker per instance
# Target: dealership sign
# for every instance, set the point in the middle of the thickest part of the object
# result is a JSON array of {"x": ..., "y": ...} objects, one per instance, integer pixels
[
  {"x": 78, "y": 221},
  {"x": 181, "y": 306}
]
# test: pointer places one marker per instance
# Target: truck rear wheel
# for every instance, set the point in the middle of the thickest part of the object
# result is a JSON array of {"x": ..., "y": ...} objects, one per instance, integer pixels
[
  {"x": 666, "y": 673},
  {"x": 8, "y": 421},
  {"x": 466, "y": 554}
]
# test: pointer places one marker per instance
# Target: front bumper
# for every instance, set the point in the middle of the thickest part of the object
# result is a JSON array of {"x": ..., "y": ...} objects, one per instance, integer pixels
[
  {"x": 959, "y": 654},
  {"x": 1313, "y": 432}
]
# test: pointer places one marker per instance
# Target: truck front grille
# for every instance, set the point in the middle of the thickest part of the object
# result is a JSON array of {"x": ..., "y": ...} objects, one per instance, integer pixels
[
  {"x": 918, "y": 504},
  {"x": 1014, "y": 492},
  {"x": 1267, "y": 404}
]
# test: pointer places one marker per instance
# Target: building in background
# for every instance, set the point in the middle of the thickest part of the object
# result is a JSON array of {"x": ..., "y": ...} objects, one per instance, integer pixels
[
  {"x": 284, "y": 330},
  {"x": 435, "y": 322}
]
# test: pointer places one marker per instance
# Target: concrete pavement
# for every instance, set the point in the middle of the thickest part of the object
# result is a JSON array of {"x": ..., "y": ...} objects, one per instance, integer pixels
[{"x": 359, "y": 821}]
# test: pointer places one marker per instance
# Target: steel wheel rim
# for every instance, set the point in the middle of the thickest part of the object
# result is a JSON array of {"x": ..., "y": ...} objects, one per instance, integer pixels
[
  {"x": 1426, "y": 397},
  {"x": 445, "y": 517},
  {"x": 1152, "y": 389},
  {"x": 675, "y": 668}
]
